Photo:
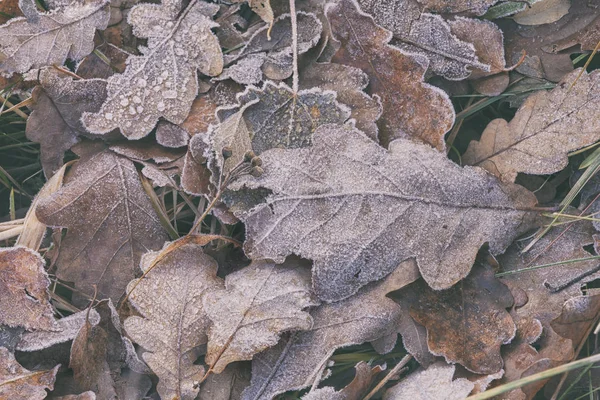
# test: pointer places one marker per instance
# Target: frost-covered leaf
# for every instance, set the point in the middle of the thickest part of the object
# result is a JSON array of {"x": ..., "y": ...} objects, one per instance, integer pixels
[
  {"x": 110, "y": 223},
  {"x": 411, "y": 108},
  {"x": 355, "y": 390},
  {"x": 55, "y": 119},
  {"x": 348, "y": 82},
  {"x": 476, "y": 7},
  {"x": 50, "y": 38},
  {"x": 467, "y": 323},
  {"x": 273, "y": 117},
  {"x": 173, "y": 323},
  {"x": 162, "y": 82},
  {"x": 434, "y": 382},
  {"x": 258, "y": 303},
  {"x": 357, "y": 210},
  {"x": 298, "y": 360},
  {"x": 17, "y": 382},
  {"x": 272, "y": 56},
  {"x": 228, "y": 385},
  {"x": 546, "y": 128},
  {"x": 24, "y": 297},
  {"x": 67, "y": 330}
]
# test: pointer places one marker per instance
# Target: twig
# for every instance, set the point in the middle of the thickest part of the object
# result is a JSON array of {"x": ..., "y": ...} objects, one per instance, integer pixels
[
  {"x": 294, "y": 21},
  {"x": 389, "y": 376}
]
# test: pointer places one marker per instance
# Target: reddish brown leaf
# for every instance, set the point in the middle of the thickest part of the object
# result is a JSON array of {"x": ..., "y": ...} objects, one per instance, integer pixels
[{"x": 17, "y": 382}]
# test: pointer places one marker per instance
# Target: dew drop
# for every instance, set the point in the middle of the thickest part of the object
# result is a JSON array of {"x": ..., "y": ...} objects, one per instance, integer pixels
[
  {"x": 140, "y": 109},
  {"x": 136, "y": 99},
  {"x": 169, "y": 94},
  {"x": 124, "y": 102},
  {"x": 108, "y": 116},
  {"x": 160, "y": 106}
]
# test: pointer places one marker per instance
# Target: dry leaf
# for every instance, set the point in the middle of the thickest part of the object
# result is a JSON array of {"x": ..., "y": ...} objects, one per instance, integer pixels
[
  {"x": 466, "y": 324},
  {"x": 49, "y": 38},
  {"x": 89, "y": 395},
  {"x": 17, "y": 382},
  {"x": 195, "y": 177},
  {"x": 257, "y": 304},
  {"x": 355, "y": 390},
  {"x": 68, "y": 328},
  {"x": 543, "y": 12},
  {"x": 297, "y": 361},
  {"x": 358, "y": 210},
  {"x": 272, "y": 56},
  {"x": 434, "y": 382},
  {"x": 110, "y": 223},
  {"x": 411, "y": 108},
  {"x": 55, "y": 119},
  {"x": 9, "y": 9},
  {"x": 577, "y": 316},
  {"x": 173, "y": 323},
  {"x": 162, "y": 82},
  {"x": 545, "y": 129},
  {"x": 24, "y": 297},
  {"x": 475, "y": 7},
  {"x": 228, "y": 385},
  {"x": 262, "y": 8}
]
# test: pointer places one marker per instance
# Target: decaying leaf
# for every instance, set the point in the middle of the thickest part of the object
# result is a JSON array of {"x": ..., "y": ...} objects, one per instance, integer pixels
[
  {"x": 272, "y": 56},
  {"x": 55, "y": 119},
  {"x": 17, "y": 382},
  {"x": 546, "y": 128},
  {"x": 476, "y": 7},
  {"x": 257, "y": 304},
  {"x": 110, "y": 223},
  {"x": 358, "y": 210},
  {"x": 68, "y": 328},
  {"x": 195, "y": 176},
  {"x": 543, "y": 12},
  {"x": 411, "y": 108},
  {"x": 298, "y": 360},
  {"x": 41, "y": 39},
  {"x": 467, "y": 323},
  {"x": 9, "y": 9},
  {"x": 272, "y": 117},
  {"x": 173, "y": 323},
  {"x": 162, "y": 82},
  {"x": 24, "y": 297},
  {"x": 262, "y": 8},
  {"x": 355, "y": 390},
  {"x": 434, "y": 382}
]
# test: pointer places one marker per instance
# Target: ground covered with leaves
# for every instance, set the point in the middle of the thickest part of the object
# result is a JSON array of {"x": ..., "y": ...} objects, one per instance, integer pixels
[{"x": 316, "y": 200}]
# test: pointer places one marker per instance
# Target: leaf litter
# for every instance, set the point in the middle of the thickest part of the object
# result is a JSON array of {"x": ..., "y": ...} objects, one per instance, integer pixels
[{"x": 298, "y": 162}]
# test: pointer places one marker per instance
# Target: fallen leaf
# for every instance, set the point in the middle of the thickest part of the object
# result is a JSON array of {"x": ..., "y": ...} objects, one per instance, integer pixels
[
  {"x": 543, "y": 12},
  {"x": 171, "y": 135},
  {"x": 297, "y": 361},
  {"x": 201, "y": 116},
  {"x": 467, "y": 323},
  {"x": 228, "y": 385},
  {"x": 173, "y": 323},
  {"x": 262, "y": 8},
  {"x": 272, "y": 56},
  {"x": 24, "y": 297},
  {"x": 195, "y": 177},
  {"x": 577, "y": 316},
  {"x": 162, "y": 82},
  {"x": 434, "y": 382},
  {"x": 546, "y": 128},
  {"x": 17, "y": 382},
  {"x": 392, "y": 206},
  {"x": 355, "y": 390},
  {"x": 257, "y": 304},
  {"x": 475, "y": 7},
  {"x": 9, "y": 9},
  {"x": 110, "y": 223},
  {"x": 111, "y": 61},
  {"x": 55, "y": 120},
  {"x": 411, "y": 108},
  {"x": 49, "y": 38},
  {"x": 89, "y": 395}
]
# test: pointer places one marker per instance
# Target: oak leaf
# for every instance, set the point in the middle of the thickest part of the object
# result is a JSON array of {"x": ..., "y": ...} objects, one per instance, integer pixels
[
  {"x": 545, "y": 129},
  {"x": 110, "y": 223},
  {"x": 393, "y": 205},
  {"x": 49, "y": 38},
  {"x": 17, "y": 382},
  {"x": 411, "y": 107},
  {"x": 228, "y": 385},
  {"x": 162, "y": 82},
  {"x": 257, "y": 304},
  {"x": 24, "y": 297},
  {"x": 434, "y": 382},
  {"x": 297, "y": 361},
  {"x": 173, "y": 323},
  {"x": 355, "y": 390}
]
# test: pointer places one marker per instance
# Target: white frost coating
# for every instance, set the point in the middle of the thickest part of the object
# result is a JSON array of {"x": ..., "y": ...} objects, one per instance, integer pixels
[
  {"x": 50, "y": 38},
  {"x": 162, "y": 82}
]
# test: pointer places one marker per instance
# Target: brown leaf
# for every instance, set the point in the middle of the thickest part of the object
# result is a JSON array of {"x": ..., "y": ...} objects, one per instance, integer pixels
[
  {"x": 258, "y": 303},
  {"x": 110, "y": 223},
  {"x": 112, "y": 61},
  {"x": 228, "y": 385},
  {"x": 411, "y": 108},
  {"x": 173, "y": 323},
  {"x": 195, "y": 177},
  {"x": 434, "y": 382},
  {"x": 355, "y": 390},
  {"x": 543, "y": 12},
  {"x": 298, "y": 360},
  {"x": 55, "y": 121},
  {"x": 24, "y": 297},
  {"x": 577, "y": 316},
  {"x": 17, "y": 382},
  {"x": 201, "y": 116},
  {"x": 545, "y": 129},
  {"x": 466, "y": 324},
  {"x": 476, "y": 7},
  {"x": 9, "y": 9},
  {"x": 393, "y": 205},
  {"x": 89, "y": 395}
]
